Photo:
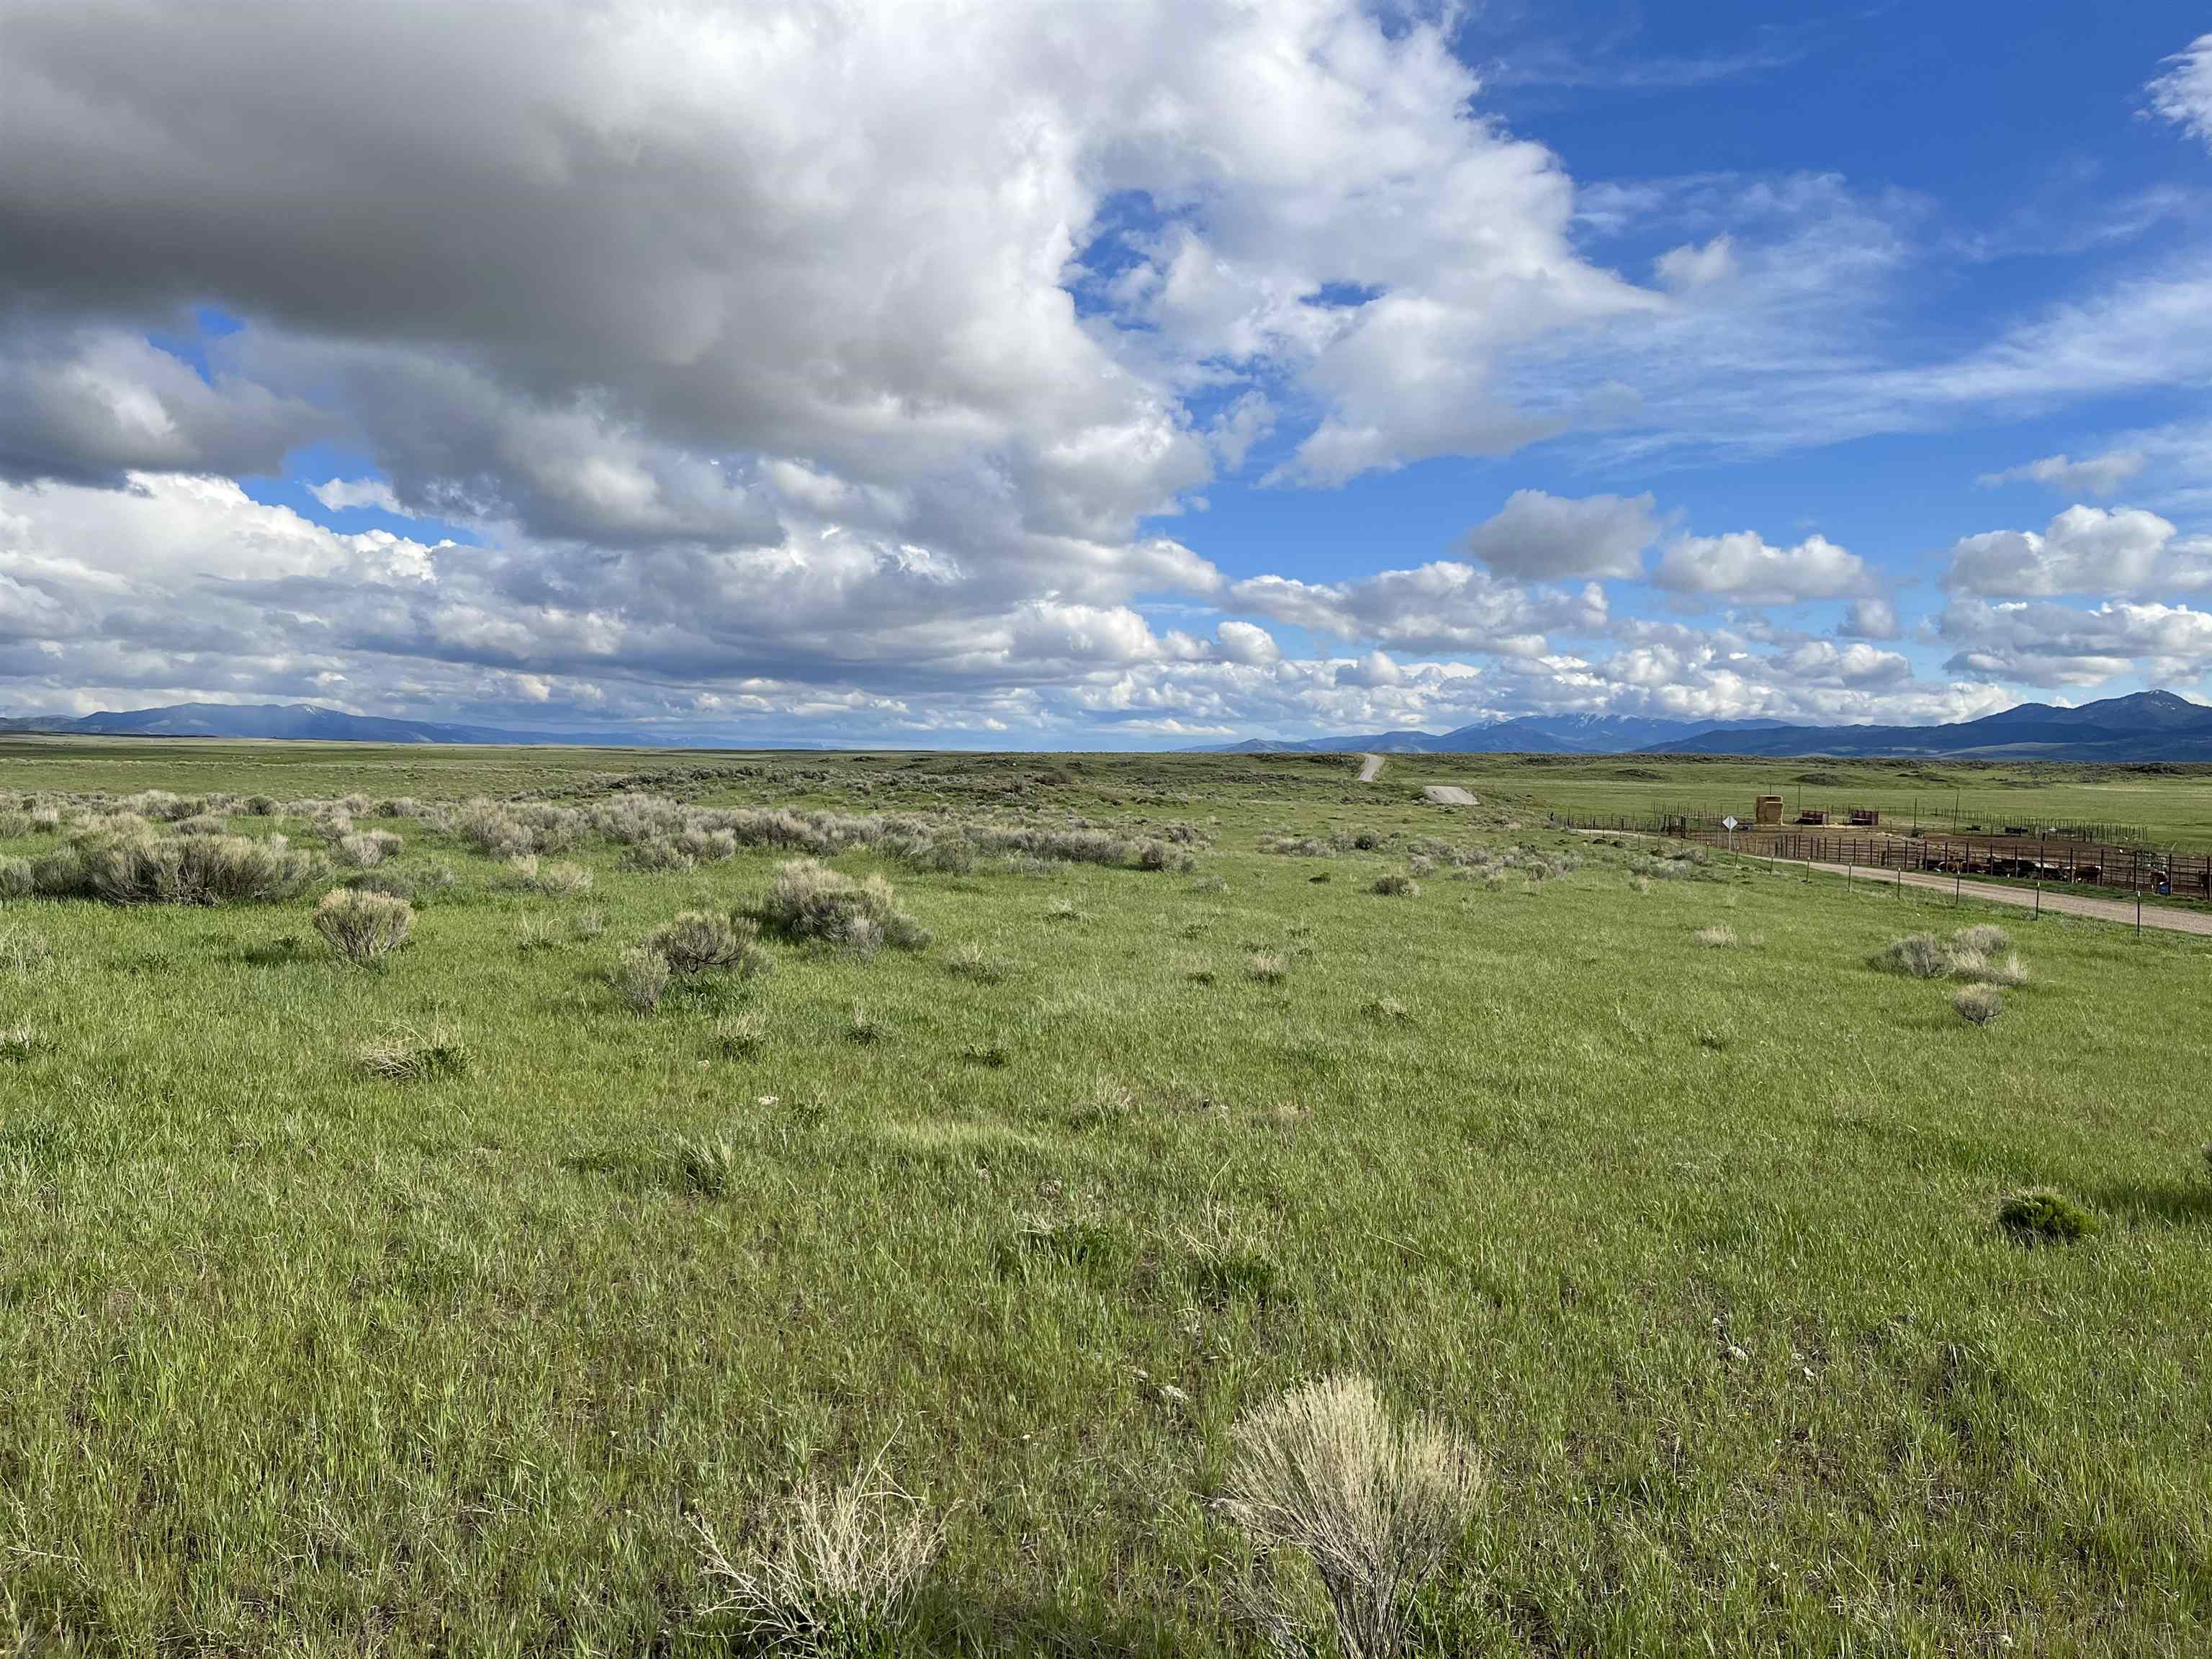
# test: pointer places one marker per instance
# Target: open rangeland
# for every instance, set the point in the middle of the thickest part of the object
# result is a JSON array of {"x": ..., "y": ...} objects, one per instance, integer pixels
[{"x": 652, "y": 1165}]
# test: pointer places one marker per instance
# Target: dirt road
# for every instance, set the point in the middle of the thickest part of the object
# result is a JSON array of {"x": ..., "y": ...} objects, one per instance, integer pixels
[
  {"x": 1370, "y": 768},
  {"x": 2174, "y": 919}
]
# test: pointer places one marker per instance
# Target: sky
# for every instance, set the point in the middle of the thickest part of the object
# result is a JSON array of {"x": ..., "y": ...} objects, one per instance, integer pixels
[{"x": 1129, "y": 373}]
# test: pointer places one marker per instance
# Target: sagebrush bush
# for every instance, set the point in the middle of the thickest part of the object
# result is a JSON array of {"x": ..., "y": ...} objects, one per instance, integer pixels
[
  {"x": 1922, "y": 955},
  {"x": 363, "y": 928},
  {"x": 557, "y": 877},
  {"x": 141, "y": 867},
  {"x": 808, "y": 900},
  {"x": 1984, "y": 937},
  {"x": 703, "y": 941},
  {"x": 659, "y": 855},
  {"x": 640, "y": 977},
  {"x": 2044, "y": 1215},
  {"x": 1395, "y": 885},
  {"x": 1375, "y": 1505},
  {"x": 1977, "y": 1004},
  {"x": 16, "y": 879},
  {"x": 838, "y": 1572},
  {"x": 391, "y": 883}
]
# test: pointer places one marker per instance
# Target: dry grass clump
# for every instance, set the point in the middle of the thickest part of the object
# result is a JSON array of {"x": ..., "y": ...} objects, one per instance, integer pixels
[
  {"x": 1977, "y": 1004},
  {"x": 864, "y": 1028},
  {"x": 970, "y": 960},
  {"x": 836, "y": 1572},
  {"x": 1968, "y": 954},
  {"x": 740, "y": 1035},
  {"x": 1104, "y": 1102},
  {"x": 1720, "y": 937},
  {"x": 640, "y": 977},
  {"x": 809, "y": 901},
  {"x": 536, "y": 933},
  {"x": 22, "y": 951},
  {"x": 1387, "y": 1009},
  {"x": 363, "y": 928},
  {"x": 557, "y": 877},
  {"x": 1395, "y": 885},
  {"x": 1268, "y": 966},
  {"x": 701, "y": 941},
  {"x": 1373, "y": 1503},
  {"x": 18, "y": 1042},
  {"x": 411, "y": 1056}
]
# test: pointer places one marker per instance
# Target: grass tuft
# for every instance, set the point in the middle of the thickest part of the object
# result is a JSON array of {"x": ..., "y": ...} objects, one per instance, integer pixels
[
  {"x": 1373, "y": 1503},
  {"x": 640, "y": 977},
  {"x": 970, "y": 961},
  {"x": 411, "y": 1056},
  {"x": 837, "y": 1572}
]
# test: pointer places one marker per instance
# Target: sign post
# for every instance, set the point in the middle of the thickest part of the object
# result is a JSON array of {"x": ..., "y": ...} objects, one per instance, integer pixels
[{"x": 1729, "y": 824}]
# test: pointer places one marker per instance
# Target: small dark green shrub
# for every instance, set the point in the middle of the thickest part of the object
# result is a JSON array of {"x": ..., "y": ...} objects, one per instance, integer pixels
[{"x": 2044, "y": 1215}]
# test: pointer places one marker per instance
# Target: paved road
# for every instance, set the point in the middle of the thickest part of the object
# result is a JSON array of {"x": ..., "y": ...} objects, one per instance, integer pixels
[
  {"x": 2174, "y": 919},
  {"x": 1370, "y": 768}
]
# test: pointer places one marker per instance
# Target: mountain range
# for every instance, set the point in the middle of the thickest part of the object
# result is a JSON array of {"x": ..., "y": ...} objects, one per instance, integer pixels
[
  {"x": 296, "y": 721},
  {"x": 2145, "y": 726}
]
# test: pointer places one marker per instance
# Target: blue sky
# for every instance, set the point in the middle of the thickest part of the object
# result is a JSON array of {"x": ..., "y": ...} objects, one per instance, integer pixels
[{"x": 1145, "y": 374}]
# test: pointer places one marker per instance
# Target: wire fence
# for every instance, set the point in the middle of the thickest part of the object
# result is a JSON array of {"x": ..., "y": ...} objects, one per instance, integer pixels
[{"x": 2021, "y": 858}]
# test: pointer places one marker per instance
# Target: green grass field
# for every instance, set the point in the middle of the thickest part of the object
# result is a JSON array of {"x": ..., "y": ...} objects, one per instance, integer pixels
[{"x": 1697, "y": 1244}]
